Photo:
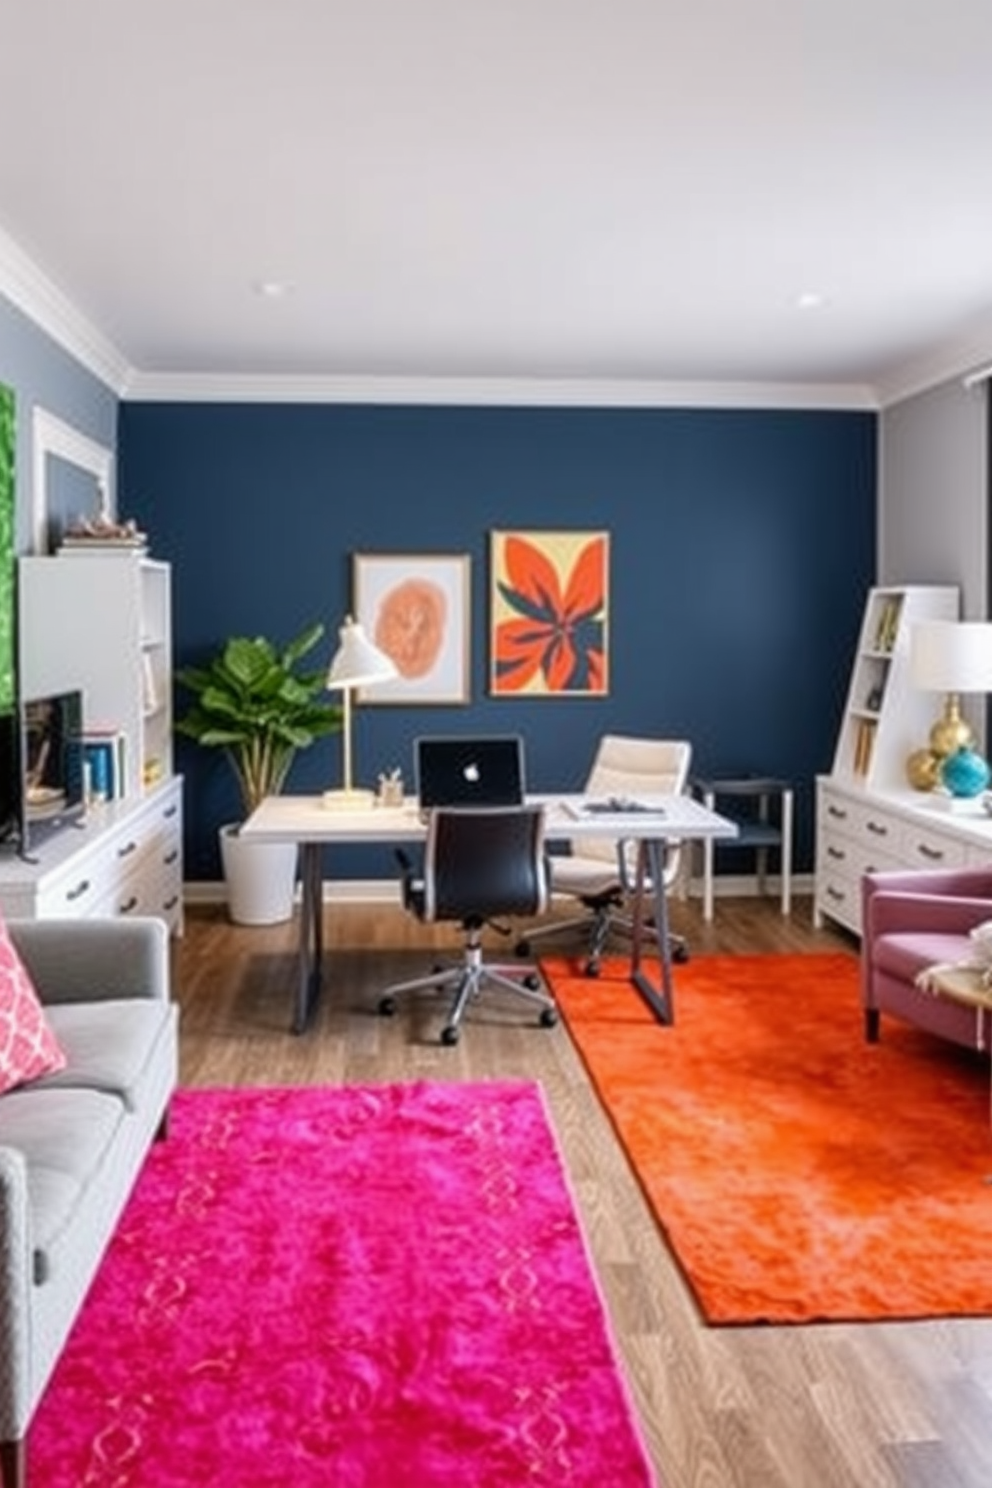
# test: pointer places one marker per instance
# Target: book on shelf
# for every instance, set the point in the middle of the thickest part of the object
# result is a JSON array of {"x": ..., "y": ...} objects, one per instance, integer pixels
[
  {"x": 887, "y": 624},
  {"x": 104, "y": 761},
  {"x": 864, "y": 743}
]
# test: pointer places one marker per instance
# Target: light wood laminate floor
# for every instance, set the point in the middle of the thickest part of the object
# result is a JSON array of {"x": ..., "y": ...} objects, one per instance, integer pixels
[{"x": 893, "y": 1405}]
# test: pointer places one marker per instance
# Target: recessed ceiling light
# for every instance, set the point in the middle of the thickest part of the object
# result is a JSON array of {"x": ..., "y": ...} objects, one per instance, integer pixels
[
  {"x": 811, "y": 299},
  {"x": 272, "y": 289}
]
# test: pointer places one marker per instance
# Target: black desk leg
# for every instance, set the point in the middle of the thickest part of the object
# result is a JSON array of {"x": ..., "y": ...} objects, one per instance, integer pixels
[
  {"x": 651, "y": 864},
  {"x": 311, "y": 944}
]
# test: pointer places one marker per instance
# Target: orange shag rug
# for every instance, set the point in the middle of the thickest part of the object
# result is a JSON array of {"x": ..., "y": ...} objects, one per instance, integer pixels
[{"x": 798, "y": 1172}]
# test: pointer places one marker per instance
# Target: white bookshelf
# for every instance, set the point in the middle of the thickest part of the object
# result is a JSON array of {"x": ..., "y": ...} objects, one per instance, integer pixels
[
  {"x": 868, "y": 818},
  {"x": 103, "y": 623},
  {"x": 885, "y": 717}
]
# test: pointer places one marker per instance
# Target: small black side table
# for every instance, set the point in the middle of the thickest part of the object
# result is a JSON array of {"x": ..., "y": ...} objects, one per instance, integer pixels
[{"x": 757, "y": 826}]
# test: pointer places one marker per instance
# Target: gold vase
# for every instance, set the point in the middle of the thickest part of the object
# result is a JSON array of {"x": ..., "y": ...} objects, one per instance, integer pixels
[
  {"x": 923, "y": 769},
  {"x": 951, "y": 732}
]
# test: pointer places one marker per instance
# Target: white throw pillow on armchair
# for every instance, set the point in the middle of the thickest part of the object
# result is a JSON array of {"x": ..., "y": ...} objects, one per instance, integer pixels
[{"x": 981, "y": 940}]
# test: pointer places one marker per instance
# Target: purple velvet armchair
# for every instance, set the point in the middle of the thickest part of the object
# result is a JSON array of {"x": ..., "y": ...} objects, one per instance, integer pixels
[{"x": 912, "y": 920}]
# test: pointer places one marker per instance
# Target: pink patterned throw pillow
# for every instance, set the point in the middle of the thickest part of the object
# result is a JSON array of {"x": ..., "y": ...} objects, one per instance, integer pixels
[{"x": 28, "y": 1047}]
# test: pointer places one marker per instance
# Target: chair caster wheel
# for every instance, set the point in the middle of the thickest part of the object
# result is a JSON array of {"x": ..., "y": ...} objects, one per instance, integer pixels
[
  {"x": 680, "y": 954},
  {"x": 522, "y": 948},
  {"x": 532, "y": 982},
  {"x": 449, "y": 1034},
  {"x": 592, "y": 968},
  {"x": 387, "y": 1007},
  {"x": 549, "y": 1017}
]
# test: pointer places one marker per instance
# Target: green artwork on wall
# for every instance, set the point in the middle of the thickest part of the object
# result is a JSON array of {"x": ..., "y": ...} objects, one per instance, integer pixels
[{"x": 8, "y": 683}]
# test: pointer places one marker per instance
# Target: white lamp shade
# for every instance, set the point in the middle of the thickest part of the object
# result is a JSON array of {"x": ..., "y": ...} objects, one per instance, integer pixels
[
  {"x": 951, "y": 655},
  {"x": 357, "y": 663}
]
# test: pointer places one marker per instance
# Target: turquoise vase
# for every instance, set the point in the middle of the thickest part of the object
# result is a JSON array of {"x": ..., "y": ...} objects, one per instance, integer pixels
[{"x": 965, "y": 773}]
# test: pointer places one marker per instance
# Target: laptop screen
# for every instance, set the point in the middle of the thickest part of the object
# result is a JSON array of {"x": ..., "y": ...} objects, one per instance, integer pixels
[{"x": 469, "y": 772}]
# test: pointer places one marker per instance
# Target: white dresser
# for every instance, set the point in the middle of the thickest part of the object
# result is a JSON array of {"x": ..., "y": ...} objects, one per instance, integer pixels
[
  {"x": 124, "y": 859},
  {"x": 861, "y": 830}
]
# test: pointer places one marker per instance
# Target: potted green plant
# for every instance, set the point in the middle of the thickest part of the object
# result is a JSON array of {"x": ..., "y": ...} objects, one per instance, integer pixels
[{"x": 256, "y": 702}]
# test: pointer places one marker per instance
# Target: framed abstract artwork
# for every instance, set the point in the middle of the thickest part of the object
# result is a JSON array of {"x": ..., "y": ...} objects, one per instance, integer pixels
[
  {"x": 549, "y": 614},
  {"x": 415, "y": 607}
]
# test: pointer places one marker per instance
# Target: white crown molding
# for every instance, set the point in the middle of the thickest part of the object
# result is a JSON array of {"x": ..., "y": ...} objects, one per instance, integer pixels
[
  {"x": 148, "y": 387},
  {"x": 43, "y": 302},
  {"x": 957, "y": 357}
]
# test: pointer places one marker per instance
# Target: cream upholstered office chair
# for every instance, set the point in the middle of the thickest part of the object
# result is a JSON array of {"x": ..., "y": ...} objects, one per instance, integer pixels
[
  {"x": 479, "y": 862},
  {"x": 601, "y": 875}
]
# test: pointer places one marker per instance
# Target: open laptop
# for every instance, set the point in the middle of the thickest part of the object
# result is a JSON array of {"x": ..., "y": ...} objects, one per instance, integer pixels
[{"x": 466, "y": 771}]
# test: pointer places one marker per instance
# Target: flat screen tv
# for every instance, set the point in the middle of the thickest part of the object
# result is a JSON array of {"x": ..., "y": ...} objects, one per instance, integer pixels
[{"x": 42, "y": 781}]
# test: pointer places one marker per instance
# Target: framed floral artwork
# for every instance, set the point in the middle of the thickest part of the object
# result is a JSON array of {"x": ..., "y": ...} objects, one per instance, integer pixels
[
  {"x": 549, "y": 614},
  {"x": 415, "y": 607}
]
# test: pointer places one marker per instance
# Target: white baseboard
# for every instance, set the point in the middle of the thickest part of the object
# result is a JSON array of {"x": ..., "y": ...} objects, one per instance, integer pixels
[
  {"x": 745, "y": 886},
  {"x": 387, "y": 891},
  {"x": 336, "y": 891}
]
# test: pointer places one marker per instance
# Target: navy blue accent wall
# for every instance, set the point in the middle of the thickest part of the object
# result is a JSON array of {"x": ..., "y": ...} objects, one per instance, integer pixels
[{"x": 743, "y": 543}]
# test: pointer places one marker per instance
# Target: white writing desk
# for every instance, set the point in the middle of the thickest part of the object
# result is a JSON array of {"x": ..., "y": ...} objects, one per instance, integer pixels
[{"x": 304, "y": 820}]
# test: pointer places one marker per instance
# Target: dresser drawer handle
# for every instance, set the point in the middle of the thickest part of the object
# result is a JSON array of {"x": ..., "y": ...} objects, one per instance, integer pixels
[
  {"x": 128, "y": 905},
  {"x": 170, "y": 904},
  {"x": 127, "y": 849},
  {"x": 83, "y": 887},
  {"x": 837, "y": 853},
  {"x": 171, "y": 857},
  {"x": 933, "y": 854},
  {"x": 878, "y": 829},
  {"x": 837, "y": 894},
  {"x": 169, "y": 812},
  {"x": 837, "y": 813}
]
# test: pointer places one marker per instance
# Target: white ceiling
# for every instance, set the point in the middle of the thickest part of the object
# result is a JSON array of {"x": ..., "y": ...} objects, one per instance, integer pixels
[{"x": 600, "y": 189}]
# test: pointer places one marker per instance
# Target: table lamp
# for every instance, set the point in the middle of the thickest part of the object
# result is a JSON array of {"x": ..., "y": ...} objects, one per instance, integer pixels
[
  {"x": 953, "y": 657},
  {"x": 356, "y": 663}
]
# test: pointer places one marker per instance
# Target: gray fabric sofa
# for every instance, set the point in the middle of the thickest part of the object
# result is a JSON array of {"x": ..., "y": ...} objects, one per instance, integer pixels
[{"x": 72, "y": 1144}]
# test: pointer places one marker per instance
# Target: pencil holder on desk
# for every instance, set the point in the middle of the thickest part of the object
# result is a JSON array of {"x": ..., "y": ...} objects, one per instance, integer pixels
[{"x": 390, "y": 794}]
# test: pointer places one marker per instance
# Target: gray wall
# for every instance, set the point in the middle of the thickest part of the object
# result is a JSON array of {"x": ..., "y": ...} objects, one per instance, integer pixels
[
  {"x": 40, "y": 372},
  {"x": 933, "y": 501},
  {"x": 933, "y": 493}
]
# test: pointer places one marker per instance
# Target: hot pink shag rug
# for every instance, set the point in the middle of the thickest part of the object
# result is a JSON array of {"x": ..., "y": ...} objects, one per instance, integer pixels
[{"x": 368, "y": 1287}]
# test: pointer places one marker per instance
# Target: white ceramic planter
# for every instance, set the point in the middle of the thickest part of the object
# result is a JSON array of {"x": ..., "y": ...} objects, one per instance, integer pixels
[{"x": 260, "y": 878}]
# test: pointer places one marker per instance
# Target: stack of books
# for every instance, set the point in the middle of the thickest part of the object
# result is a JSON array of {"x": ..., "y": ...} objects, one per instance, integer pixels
[{"x": 132, "y": 546}]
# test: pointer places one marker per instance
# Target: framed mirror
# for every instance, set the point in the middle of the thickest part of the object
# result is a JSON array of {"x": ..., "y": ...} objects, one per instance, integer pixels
[{"x": 71, "y": 476}]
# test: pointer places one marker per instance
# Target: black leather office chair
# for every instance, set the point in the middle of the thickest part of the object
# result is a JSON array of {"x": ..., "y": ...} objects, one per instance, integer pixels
[{"x": 479, "y": 863}]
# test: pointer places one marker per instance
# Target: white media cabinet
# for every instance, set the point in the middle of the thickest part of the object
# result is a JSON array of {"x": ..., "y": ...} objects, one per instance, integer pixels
[{"x": 125, "y": 858}]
